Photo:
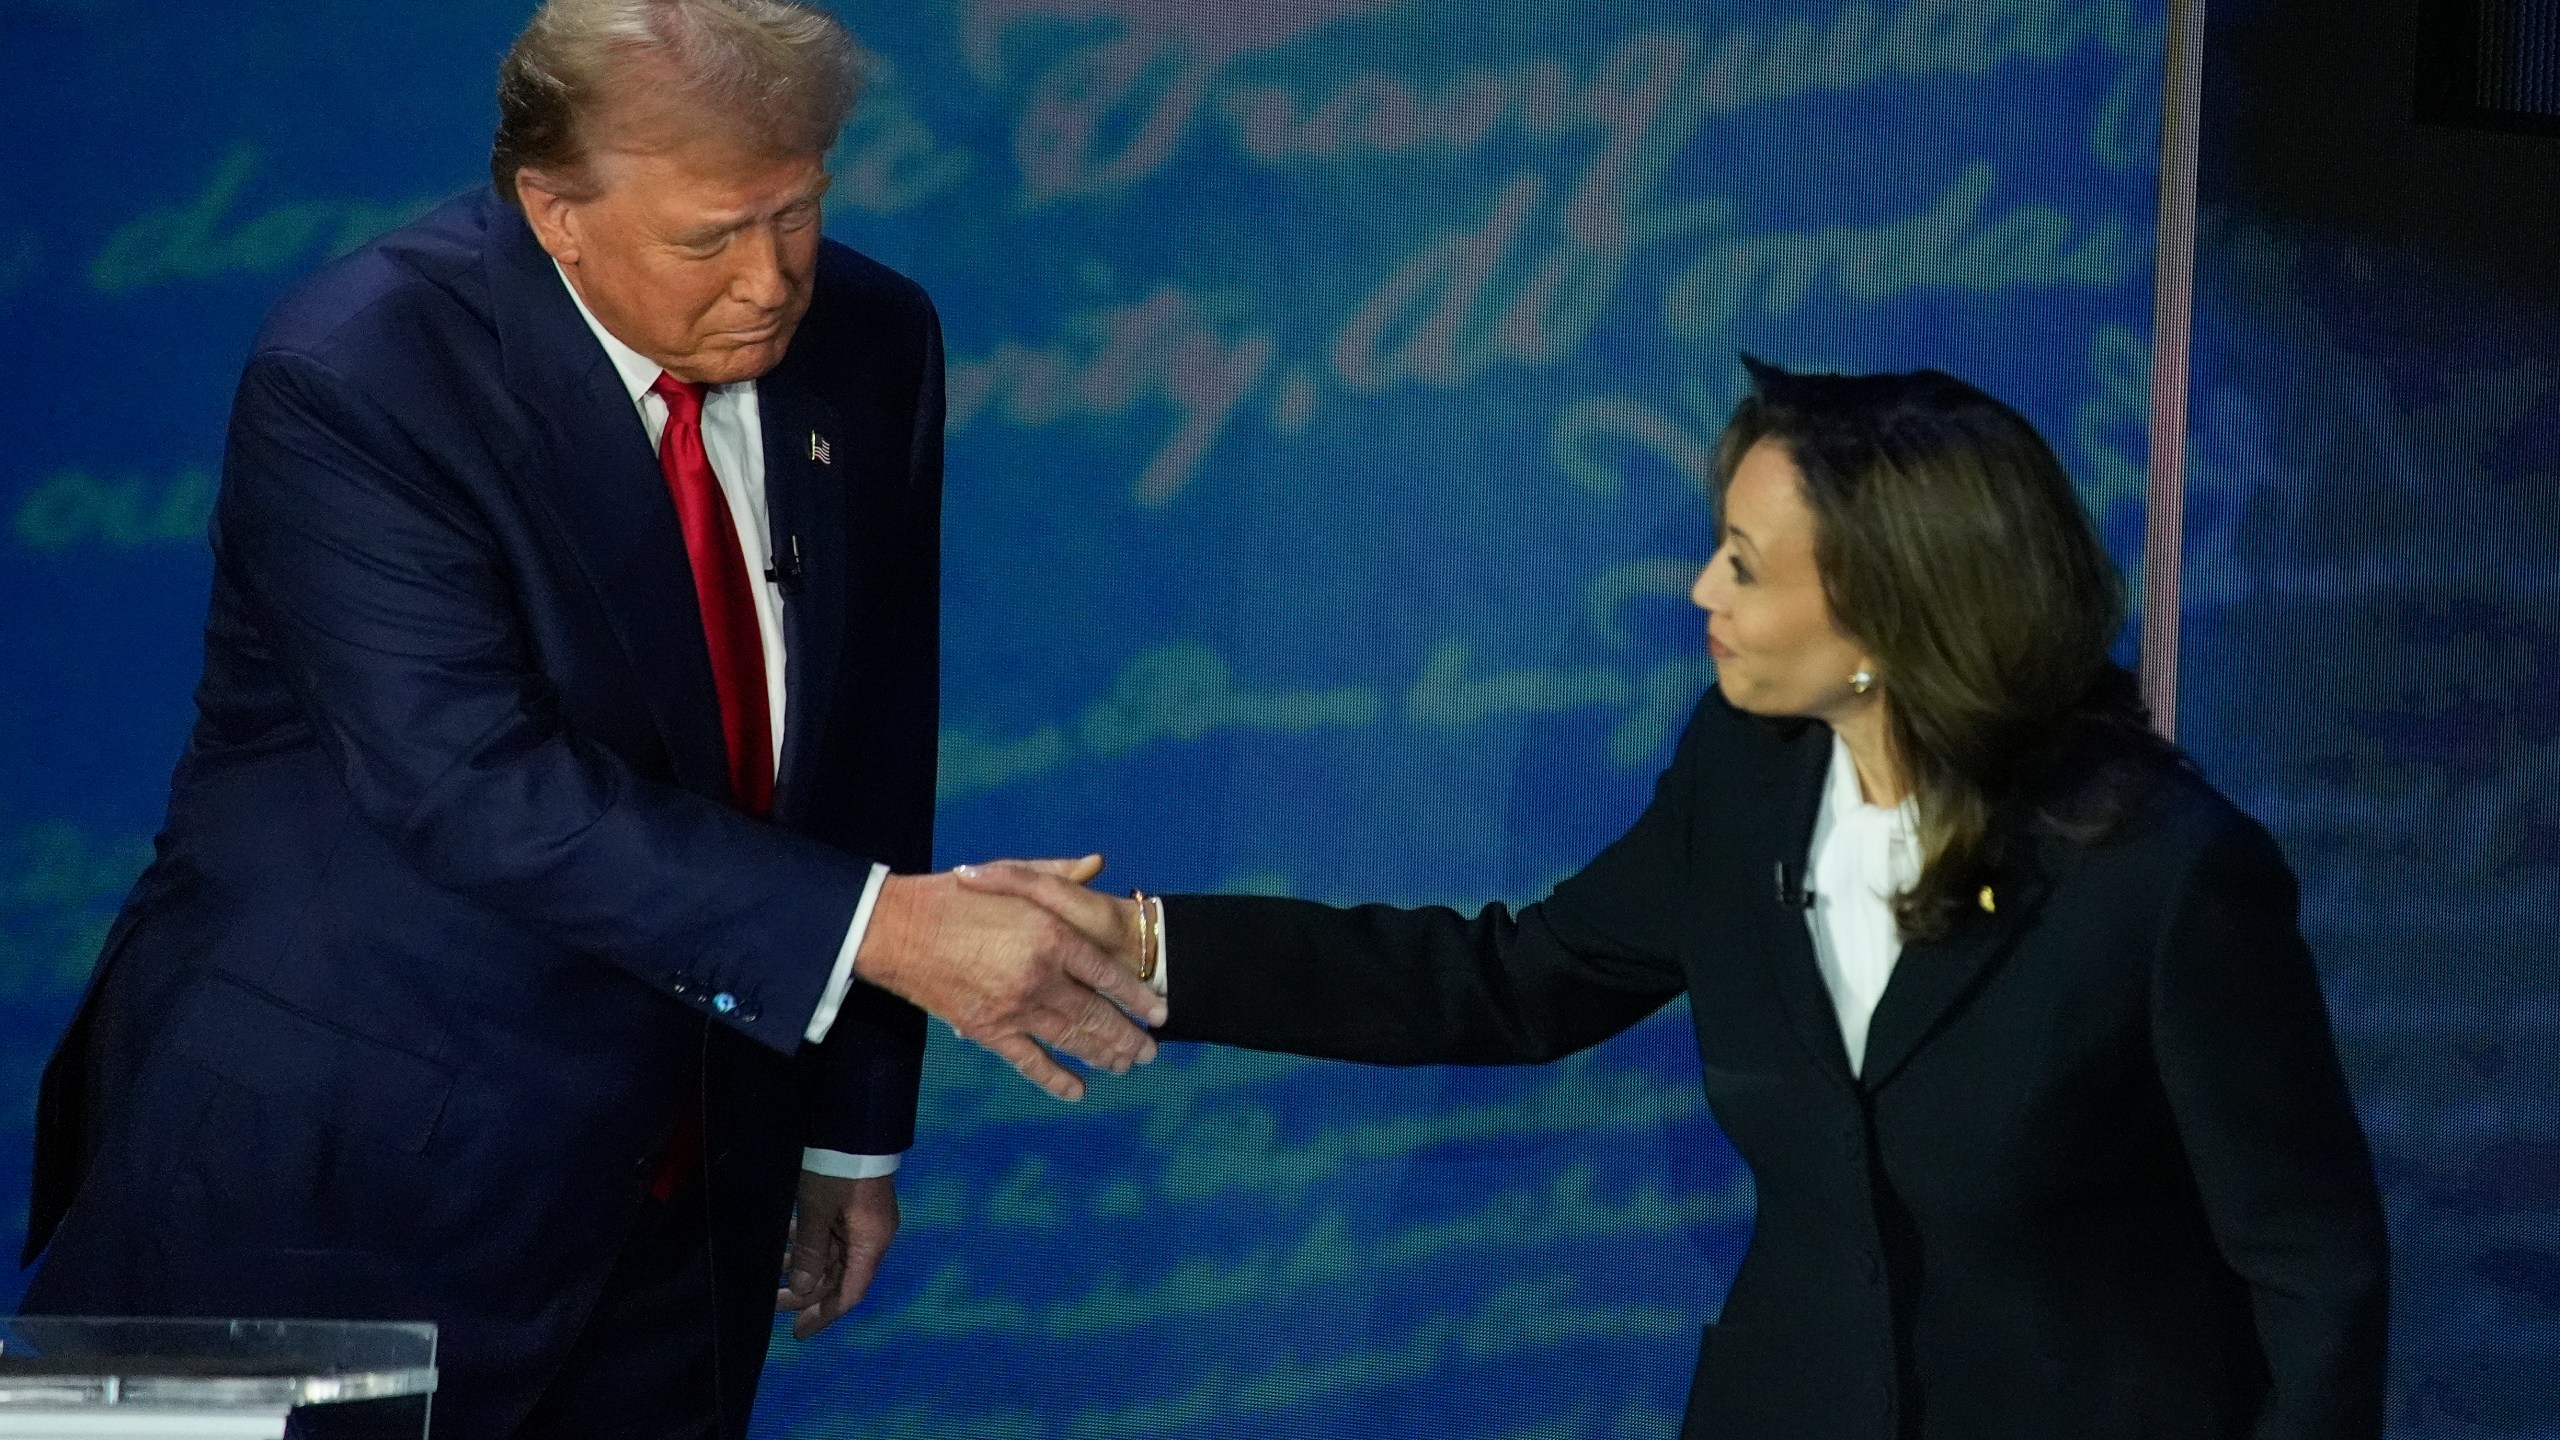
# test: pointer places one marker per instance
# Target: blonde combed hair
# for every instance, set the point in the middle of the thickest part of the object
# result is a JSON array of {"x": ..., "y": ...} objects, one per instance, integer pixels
[{"x": 783, "y": 72}]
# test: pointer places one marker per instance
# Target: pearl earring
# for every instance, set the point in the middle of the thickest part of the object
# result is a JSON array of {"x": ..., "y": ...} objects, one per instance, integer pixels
[{"x": 1863, "y": 681}]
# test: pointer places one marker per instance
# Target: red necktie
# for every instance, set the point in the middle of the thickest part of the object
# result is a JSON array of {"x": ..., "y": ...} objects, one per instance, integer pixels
[{"x": 720, "y": 584}]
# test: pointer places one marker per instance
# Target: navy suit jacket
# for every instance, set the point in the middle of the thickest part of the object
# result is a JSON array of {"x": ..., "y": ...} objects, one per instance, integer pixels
[{"x": 451, "y": 912}]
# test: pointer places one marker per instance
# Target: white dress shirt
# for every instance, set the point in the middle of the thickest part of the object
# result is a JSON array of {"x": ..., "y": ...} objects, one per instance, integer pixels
[
  {"x": 733, "y": 435},
  {"x": 1862, "y": 857}
]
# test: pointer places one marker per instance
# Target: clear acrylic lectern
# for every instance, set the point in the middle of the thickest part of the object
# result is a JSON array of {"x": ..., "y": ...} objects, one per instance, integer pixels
[{"x": 204, "y": 1379}]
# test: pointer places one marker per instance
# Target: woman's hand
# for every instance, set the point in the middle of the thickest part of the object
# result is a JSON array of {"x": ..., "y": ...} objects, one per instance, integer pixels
[{"x": 1060, "y": 887}]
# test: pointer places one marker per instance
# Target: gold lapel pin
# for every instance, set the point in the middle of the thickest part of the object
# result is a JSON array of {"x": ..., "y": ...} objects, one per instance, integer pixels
[
  {"x": 820, "y": 450},
  {"x": 1989, "y": 906}
]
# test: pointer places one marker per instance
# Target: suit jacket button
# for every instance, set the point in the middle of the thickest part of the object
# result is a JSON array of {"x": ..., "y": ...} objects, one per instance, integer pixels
[{"x": 724, "y": 1002}]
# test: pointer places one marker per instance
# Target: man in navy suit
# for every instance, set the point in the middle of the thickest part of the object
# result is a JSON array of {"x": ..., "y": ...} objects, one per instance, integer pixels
[{"x": 523, "y": 948}]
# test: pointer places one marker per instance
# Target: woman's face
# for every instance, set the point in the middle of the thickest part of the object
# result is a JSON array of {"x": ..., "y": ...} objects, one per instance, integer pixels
[{"x": 1769, "y": 625}]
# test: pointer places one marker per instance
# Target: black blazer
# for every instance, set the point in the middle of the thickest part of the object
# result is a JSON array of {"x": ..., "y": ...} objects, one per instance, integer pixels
[{"x": 2100, "y": 1176}]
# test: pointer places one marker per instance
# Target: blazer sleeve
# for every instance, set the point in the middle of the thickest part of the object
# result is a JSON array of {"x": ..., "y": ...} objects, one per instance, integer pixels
[
  {"x": 1433, "y": 986},
  {"x": 869, "y": 1071},
  {"x": 381, "y": 595},
  {"x": 2245, "y": 1055}
]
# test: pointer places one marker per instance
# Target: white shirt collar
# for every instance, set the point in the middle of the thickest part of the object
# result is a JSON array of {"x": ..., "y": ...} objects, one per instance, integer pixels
[{"x": 638, "y": 371}]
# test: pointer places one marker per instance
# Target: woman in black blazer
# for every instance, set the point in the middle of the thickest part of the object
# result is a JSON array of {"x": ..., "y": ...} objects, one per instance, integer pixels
[{"x": 2086, "y": 1167}]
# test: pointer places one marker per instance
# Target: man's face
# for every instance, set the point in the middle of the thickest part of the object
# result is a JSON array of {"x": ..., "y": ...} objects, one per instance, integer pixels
[{"x": 696, "y": 250}]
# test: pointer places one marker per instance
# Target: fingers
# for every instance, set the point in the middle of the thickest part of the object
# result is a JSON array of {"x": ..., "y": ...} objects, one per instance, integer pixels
[
  {"x": 861, "y": 1265},
  {"x": 1079, "y": 871},
  {"x": 1092, "y": 1029},
  {"x": 814, "y": 1262},
  {"x": 813, "y": 1271},
  {"x": 798, "y": 1280},
  {"x": 1106, "y": 920},
  {"x": 1027, "y": 1057},
  {"x": 857, "y": 1229},
  {"x": 822, "y": 1312},
  {"x": 1120, "y": 984},
  {"x": 1018, "y": 957},
  {"x": 1095, "y": 1032},
  {"x": 869, "y": 1225}
]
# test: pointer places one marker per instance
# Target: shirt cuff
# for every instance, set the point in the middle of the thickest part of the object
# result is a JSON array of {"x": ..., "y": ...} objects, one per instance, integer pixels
[
  {"x": 1164, "y": 957},
  {"x": 831, "y": 999},
  {"x": 848, "y": 1167}
]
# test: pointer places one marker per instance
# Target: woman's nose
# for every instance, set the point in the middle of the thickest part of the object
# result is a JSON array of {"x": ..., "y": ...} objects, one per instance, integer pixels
[{"x": 1702, "y": 590}]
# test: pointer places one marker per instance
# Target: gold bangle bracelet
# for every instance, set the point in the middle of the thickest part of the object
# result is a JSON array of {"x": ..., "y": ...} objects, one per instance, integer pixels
[{"x": 1146, "y": 938}]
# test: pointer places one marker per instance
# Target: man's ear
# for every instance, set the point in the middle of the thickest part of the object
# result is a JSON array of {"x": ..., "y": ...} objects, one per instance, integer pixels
[{"x": 550, "y": 213}]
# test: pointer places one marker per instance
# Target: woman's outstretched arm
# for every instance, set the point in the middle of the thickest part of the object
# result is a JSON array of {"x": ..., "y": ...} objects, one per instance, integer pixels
[{"x": 1397, "y": 986}]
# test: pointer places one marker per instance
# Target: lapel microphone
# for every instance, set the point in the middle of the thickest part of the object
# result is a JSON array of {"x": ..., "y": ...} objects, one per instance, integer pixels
[
  {"x": 1791, "y": 892},
  {"x": 783, "y": 571}
]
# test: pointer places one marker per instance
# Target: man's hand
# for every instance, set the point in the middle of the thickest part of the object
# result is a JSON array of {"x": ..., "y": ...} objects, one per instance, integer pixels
[
  {"x": 1009, "y": 974},
  {"x": 1109, "y": 921},
  {"x": 839, "y": 1231}
]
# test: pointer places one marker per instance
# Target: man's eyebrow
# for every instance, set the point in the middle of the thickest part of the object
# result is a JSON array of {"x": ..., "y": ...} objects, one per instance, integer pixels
[
  {"x": 709, "y": 230},
  {"x": 810, "y": 194}
]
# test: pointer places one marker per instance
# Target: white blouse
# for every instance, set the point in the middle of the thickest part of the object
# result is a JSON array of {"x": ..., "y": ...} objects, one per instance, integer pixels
[{"x": 1862, "y": 857}]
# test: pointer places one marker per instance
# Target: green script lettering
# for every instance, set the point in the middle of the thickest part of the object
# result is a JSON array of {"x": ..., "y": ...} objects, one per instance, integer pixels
[
  {"x": 71, "y": 507},
  {"x": 191, "y": 241}
]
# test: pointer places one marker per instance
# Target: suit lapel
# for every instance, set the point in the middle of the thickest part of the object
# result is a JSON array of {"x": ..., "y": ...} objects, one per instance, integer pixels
[
  {"x": 1930, "y": 981},
  {"x": 1793, "y": 784},
  {"x": 809, "y": 463},
  {"x": 604, "y": 491}
]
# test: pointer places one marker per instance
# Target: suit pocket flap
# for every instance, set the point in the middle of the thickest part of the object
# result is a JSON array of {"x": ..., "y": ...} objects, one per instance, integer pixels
[{"x": 344, "y": 1081}]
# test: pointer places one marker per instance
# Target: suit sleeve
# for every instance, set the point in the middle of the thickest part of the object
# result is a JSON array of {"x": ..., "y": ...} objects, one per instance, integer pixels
[
  {"x": 1433, "y": 986},
  {"x": 382, "y": 596},
  {"x": 870, "y": 1068},
  {"x": 2246, "y": 1058}
]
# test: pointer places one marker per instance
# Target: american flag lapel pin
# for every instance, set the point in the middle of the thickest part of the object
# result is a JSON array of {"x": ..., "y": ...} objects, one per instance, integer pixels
[{"x": 820, "y": 450}]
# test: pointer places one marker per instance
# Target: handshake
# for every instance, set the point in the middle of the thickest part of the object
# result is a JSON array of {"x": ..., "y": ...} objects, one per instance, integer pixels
[{"x": 1020, "y": 957}]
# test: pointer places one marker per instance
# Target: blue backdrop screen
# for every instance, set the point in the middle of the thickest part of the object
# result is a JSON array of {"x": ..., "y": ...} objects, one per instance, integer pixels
[{"x": 2372, "y": 643}]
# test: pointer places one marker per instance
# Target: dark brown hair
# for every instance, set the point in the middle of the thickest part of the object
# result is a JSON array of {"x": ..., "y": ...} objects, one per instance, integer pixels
[
  {"x": 784, "y": 70},
  {"x": 1952, "y": 546}
]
